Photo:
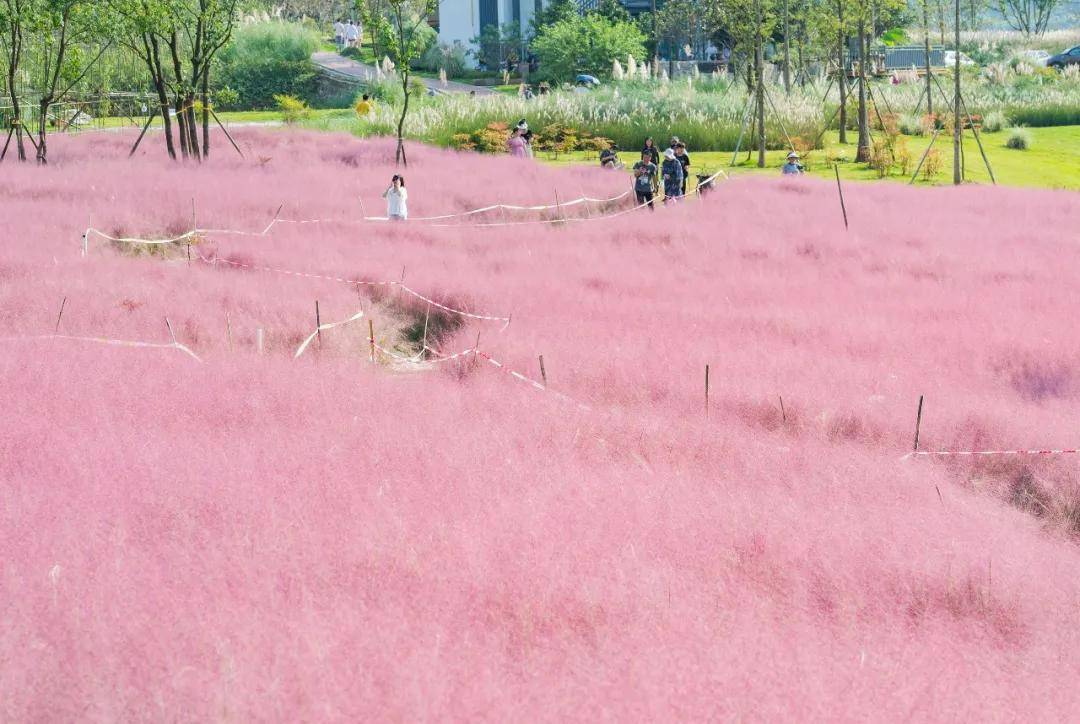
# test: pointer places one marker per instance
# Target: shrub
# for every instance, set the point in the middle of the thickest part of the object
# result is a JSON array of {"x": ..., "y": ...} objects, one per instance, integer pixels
[
  {"x": 270, "y": 59},
  {"x": 292, "y": 108},
  {"x": 1039, "y": 116},
  {"x": 931, "y": 165},
  {"x": 449, "y": 57},
  {"x": 995, "y": 122},
  {"x": 1019, "y": 139},
  {"x": 351, "y": 52},
  {"x": 910, "y": 125},
  {"x": 497, "y": 44},
  {"x": 587, "y": 44}
]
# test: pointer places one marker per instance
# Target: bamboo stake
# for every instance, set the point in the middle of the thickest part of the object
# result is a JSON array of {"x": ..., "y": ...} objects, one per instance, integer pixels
[
  {"x": 371, "y": 333},
  {"x": 783, "y": 412},
  {"x": 922, "y": 158},
  {"x": 427, "y": 314},
  {"x": 228, "y": 331},
  {"x": 259, "y": 340},
  {"x": 318, "y": 324},
  {"x": 543, "y": 372},
  {"x": 918, "y": 423},
  {"x": 60, "y": 316},
  {"x": 839, "y": 188},
  {"x": 169, "y": 327}
]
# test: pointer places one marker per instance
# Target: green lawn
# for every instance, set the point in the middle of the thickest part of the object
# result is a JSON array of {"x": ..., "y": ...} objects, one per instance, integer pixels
[
  {"x": 227, "y": 117},
  {"x": 1052, "y": 161}
]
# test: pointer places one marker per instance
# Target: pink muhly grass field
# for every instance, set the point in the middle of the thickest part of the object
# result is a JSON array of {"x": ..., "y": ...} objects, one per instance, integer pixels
[{"x": 258, "y": 537}]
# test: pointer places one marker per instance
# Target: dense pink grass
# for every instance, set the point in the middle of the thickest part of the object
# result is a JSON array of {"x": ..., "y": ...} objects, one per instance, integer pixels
[{"x": 261, "y": 538}]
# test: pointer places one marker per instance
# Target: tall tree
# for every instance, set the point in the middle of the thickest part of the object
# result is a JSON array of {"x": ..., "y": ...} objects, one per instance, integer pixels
[
  {"x": 1028, "y": 16},
  {"x": 73, "y": 34},
  {"x": 406, "y": 44},
  {"x": 16, "y": 16}
]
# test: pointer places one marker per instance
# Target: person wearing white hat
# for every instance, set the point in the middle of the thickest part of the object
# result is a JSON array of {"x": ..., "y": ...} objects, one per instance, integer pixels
[
  {"x": 672, "y": 172},
  {"x": 792, "y": 167}
]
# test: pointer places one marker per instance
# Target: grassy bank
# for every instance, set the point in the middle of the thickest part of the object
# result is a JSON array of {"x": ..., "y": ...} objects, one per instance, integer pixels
[{"x": 1052, "y": 161}]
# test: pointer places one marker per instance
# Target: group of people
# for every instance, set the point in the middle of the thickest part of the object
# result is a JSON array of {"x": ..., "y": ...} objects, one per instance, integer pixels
[
  {"x": 348, "y": 34},
  {"x": 651, "y": 172}
]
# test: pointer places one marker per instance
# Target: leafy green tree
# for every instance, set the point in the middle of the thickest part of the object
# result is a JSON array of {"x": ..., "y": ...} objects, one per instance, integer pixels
[
  {"x": 555, "y": 12},
  {"x": 402, "y": 25},
  {"x": 612, "y": 10},
  {"x": 495, "y": 45},
  {"x": 586, "y": 44},
  {"x": 268, "y": 59}
]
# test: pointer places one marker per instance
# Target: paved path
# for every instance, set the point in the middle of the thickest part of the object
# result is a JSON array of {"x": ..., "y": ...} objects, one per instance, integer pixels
[{"x": 338, "y": 65}]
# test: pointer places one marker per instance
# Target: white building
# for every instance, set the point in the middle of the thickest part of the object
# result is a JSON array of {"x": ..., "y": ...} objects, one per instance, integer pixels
[{"x": 462, "y": 20}]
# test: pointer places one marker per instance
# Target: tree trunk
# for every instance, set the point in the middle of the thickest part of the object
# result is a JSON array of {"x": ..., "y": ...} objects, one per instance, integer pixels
[
  {"x": 759, "y": 86},
  {"x": 399, "y": 156},
  {"x": 787, "y": 51},
  {"x": 958, "y": 125},
  {"x": 206, "y": 112},
  {"x": 862, "y": 153},
  {"x": 841, "y": 77},
  {"x": 926, "y": 48},
  {"x": 16, "y": 111},
  {"x": 42, "y": 149}
]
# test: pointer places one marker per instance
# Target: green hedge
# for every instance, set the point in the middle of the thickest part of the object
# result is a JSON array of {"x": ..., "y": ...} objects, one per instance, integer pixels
[{"x": 270, "y": 59}]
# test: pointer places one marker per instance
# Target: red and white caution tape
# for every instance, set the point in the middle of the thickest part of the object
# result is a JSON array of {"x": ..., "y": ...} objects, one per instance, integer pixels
[
  {"x": 530, "y": 381},
  {"x": 324, "y": 327}
]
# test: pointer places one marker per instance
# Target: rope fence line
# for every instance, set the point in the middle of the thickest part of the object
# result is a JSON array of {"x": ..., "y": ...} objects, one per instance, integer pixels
[
  {"x": 442, "y": 217},
  {"x": 108, "y": 341},
  {"x": 358, "y": 282},
  {"x": 976, "y": 453}
]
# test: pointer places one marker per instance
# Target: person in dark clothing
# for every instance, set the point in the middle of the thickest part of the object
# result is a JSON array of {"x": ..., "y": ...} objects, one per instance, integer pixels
[
  {"x": 651, "y": 149},
  {"x": 609, "y": 157},
  {"x": 671, "y": 170},
  {"x": 684, "y": 161},
  {"x": 645, "y": 180}
]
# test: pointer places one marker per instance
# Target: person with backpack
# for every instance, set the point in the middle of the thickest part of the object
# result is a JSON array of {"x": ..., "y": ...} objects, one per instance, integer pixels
[
  {"x": 645, "y": 180},
  {"x": 684, "y": 161},
  {"x": 672, "y": 172}
]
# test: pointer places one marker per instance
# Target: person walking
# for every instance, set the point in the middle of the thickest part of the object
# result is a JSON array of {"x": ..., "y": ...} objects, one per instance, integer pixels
[
  {"x": 352, "y": 33},
  {"x": 397, "y": 199},
  {"x": 645, "y": 180},
  {"x": 671, "y": 170},
  {"x": 526, "y": 135},
  {"x": 684, "y": 161},
  {"x": 652, "y": 150},
  {"x": 339, "y": 35},
  {"x": 792, "y": 167}
]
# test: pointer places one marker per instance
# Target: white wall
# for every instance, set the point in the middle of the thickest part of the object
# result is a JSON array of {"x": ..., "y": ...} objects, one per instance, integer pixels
[{"x": 458, "y": 20}]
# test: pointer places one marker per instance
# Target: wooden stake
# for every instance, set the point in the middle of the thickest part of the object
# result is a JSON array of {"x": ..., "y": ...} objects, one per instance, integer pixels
[
  {"x": 60, "y": 316},
  {"x": 226, "y": 132},
  {"x": 476, "y": 347},
  {"x": 144, "y": 130},
  {"x": 194, "y": 226},
  {"x": 543, "y": 372},
  {"x": 918, "y": 423},
  {"x": 259, "y": 339},
  {"x": 228, "y": 331},
  {"x": 783, "y": 412},
  {"x": 940, "y": 499},
  {"x": 706, "y": 392},
  {"x": 318, "y": 324},
  {"x": 558, "y": 206},
  {"x": 839, "y": 188},
  {"x": 371, "y": 337},
  {"x": 169, "y": 327}
]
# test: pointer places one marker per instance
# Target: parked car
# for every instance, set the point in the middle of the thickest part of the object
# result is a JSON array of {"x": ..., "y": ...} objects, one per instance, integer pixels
[
  {"x": 950, "y": 59},
  {"x": 588, "y": 81},
  {"x": 1035, "y": 57},
  {"x": 1069, "y": 57}
]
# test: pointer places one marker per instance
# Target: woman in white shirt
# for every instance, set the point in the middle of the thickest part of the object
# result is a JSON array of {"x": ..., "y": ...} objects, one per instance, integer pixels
[{"x": 397, "y": 208}]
